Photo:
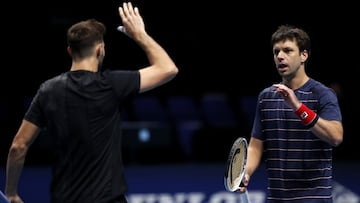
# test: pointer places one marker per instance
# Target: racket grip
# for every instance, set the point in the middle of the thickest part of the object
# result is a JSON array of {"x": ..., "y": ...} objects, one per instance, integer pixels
[{"x": 244, "y": 197}]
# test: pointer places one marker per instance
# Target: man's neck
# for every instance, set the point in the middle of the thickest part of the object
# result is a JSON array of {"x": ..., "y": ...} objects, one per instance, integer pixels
[
  {"x": 296, "y": 82},
  {"x": 90, "y": 64}
]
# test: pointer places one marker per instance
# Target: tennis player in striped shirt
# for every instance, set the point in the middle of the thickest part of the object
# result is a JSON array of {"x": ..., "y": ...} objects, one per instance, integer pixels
[{"x": 298, "y": 122}]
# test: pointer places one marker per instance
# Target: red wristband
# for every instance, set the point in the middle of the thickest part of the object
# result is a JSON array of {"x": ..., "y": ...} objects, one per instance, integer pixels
[{"x": 307, "y": 116}]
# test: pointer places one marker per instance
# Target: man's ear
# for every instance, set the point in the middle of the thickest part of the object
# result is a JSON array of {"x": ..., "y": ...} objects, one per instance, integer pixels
[
  {"x": 69, "y": 51},
  {"x": 98, "y": 50},
  {"x": 304, "y": 56}
]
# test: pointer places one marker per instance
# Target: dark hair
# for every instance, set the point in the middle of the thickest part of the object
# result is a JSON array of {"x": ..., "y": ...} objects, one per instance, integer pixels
[
  {"x": 84, "y": 35},
  {"x": 288, "y": 32}
]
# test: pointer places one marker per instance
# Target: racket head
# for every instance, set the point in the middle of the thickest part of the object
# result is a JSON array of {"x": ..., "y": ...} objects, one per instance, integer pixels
[{"x": 236, "y": 164}]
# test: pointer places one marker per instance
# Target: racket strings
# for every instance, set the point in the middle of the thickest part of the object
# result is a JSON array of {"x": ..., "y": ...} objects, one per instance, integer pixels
[{"x": 237, "y": 165}]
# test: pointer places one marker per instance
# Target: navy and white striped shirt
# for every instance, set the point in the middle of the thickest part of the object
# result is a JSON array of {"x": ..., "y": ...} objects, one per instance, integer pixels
[{"x": 299, "y": 164}]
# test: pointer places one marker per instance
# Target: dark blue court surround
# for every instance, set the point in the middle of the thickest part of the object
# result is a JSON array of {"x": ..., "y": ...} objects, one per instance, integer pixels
[{"x": 185, "y": 183}]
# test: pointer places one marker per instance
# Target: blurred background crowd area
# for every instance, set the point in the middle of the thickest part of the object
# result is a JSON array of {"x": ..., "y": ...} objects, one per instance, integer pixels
[
  {"x": 166, "y": 129},
  {"x": 160, "y": 129}
]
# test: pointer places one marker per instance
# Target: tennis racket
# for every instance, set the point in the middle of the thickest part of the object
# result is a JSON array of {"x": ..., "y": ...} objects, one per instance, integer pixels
[
  {"x": 3, "y": 198},
  {"x": 235, "y": 168}
]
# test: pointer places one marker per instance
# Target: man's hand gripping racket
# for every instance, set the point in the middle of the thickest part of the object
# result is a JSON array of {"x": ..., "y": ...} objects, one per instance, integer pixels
[{"x": 236, "y": 168}]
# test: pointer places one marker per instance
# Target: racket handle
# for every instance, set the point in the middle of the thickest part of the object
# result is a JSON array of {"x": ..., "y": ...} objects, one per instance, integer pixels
[{"x": 244, "y": 197}]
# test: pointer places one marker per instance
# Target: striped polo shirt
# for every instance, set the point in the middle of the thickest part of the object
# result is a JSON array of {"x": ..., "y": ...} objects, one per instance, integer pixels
[{"x": 299, "y": 164}]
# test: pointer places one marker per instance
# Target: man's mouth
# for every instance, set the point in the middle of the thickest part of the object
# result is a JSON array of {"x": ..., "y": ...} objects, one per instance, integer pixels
[{"x": 280, "y": 66}]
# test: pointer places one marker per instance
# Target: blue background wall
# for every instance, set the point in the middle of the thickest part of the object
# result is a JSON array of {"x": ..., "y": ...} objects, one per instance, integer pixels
[{"x": 191, "y": 183}]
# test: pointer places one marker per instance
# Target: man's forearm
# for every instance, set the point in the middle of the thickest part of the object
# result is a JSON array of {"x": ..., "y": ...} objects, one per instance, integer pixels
[{"x": 15, "y": 164}]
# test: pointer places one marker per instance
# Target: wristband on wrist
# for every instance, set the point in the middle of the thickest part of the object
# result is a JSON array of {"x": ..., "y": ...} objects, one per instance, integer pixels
[{"x": 307, "y": 116}]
